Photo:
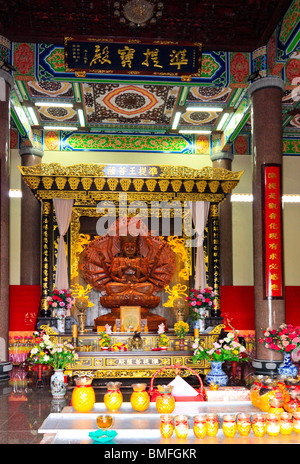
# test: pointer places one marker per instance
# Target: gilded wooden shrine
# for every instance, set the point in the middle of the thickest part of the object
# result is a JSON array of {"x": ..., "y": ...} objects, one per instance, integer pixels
[
  {"x": 100, "y": 190},
  {"x": 116, "y": 186},
  {"x": 137, "y": 364}
]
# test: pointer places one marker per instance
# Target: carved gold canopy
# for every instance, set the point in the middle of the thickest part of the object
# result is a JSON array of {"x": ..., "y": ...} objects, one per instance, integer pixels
[{"x": 89, "y": 184}]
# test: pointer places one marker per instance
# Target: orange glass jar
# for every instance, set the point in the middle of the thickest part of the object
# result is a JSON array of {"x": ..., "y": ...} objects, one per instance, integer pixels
[
  {"x": 273, "y": 425},
  {"x": 286, "y": 423},
  {"x": 165, "y": 401},
  {"x": 296, "y": 422},
  {"x": 276, "y": 404},
  {"x": 266, "y": 392},
  {"x": 292, "y": 405},
  {"x": 139, "y": 399},
  {"x": 166, "y": 425},
  {"x": 259, "y": 425},
  {"x": 200, "y": 427},
  {"x": 229, "y": 426},
  {"x": 113, "y": 399},
  {"x": 83, "y": 395},
  {"x": 212, "y": 424},
  {"x": 243, "y": 424},
  {"x": 254, "y": 390},
  {"x": 181, "y": 426}
]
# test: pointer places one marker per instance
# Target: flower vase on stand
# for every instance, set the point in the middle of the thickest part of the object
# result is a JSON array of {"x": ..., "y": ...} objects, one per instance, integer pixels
[
  {"x": 58, "y": 385},
  {"x": 287, "y": 367},
  {"x": 81, "y": 304},
  {"x": 60, "y": 314},
  {"x": 216, "y": 375}
]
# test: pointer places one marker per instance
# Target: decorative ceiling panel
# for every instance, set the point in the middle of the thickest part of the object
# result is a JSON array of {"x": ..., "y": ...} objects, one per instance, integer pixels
[
  {"x": 50, "y": 89},
  {"x": 209, "y": 94},
  {"x": 129, "y": 104}
]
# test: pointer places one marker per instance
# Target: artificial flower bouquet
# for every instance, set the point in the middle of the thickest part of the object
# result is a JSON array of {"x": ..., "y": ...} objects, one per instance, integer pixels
[
  {"x": 60, "y": 299},
  {"x": 226, "y": 349},
  {"x": 48, "y": 352},
  {"x": 181, "y": 329},
  {"x": 119, "y": 347},
  {"x": 285, "y": 339},
  {"x": 104, "y": 340},
  {"x": 163, "y": 340},
  {"x": 200, "y": 300}
]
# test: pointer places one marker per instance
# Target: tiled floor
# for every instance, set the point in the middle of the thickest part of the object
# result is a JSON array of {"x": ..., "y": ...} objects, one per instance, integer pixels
[{"x": 24, "y": 407}]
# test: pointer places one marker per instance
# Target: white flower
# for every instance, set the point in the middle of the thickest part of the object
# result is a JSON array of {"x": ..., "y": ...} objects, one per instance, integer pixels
[
  {"x": 34, "y": 351},
  {"x": 46, "y": 358}
]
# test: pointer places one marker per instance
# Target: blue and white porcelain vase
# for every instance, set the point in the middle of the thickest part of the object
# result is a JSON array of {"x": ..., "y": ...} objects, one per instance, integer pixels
[
  {"x": 57, "y": 384},
  {"x": 216, "y": 374},
  {"x": 287, "y": 367}
]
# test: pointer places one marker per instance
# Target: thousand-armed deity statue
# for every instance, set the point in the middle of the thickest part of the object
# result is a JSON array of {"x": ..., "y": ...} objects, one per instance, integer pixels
[{"x": 128, "y": 270}]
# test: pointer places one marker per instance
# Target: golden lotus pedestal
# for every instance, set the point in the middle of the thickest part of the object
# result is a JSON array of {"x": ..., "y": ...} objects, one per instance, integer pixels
[{"x": 140, "y": 364}]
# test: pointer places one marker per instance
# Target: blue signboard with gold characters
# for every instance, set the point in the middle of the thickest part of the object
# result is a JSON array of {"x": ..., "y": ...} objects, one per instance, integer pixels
[{"x": 132, "y": 57}]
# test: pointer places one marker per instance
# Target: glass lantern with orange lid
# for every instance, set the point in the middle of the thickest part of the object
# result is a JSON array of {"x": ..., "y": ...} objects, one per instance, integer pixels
[
  {"x": 165, "y": 401},
  {"x": 276, "y": 403},
  {"x": 291, "y": 395},
  {"x": 139, "y": 399},
  {"x": 267, "y": 391},
  {"x": 113, "y": 398},
  {"x": 83, "y": 395},
  {"x": 254, "y": 389}
]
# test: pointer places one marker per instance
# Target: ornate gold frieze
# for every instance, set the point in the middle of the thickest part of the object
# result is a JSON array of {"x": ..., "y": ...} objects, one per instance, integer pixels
[
  {"x": 89, "y": 183},
  {"x": 97, "y": 170}
]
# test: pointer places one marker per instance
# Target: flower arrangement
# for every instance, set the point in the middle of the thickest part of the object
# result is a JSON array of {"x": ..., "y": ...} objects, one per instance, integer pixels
[
  {"x": 284, "y": 339},
  {"x": 226, "y": 349},
  {"x": 119, "y": 347},
  {"x": 181, "y": 329},
  {"x": 104, "y": 340},
  {"x": 46, "y": 351},
  {"x": 60, "y": 299},
  {"x": 163, "y": 340},
  {"x": 200, "y": 299}
]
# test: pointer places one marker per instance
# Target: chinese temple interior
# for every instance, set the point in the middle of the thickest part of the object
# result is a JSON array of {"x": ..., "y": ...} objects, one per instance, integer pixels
[{"x": 199, "y": 138}]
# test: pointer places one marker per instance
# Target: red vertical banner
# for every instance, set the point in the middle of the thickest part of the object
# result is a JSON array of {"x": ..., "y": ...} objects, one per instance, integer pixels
[{"x": 273, "y": 231}]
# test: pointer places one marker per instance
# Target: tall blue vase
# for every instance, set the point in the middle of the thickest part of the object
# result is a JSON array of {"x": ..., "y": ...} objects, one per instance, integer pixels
[
  {"x": 287, "y": 367},
  {"x": 216, "y": 375}
]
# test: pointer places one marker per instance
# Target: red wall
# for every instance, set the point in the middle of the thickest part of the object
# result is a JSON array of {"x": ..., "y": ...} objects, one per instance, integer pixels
[
  {"x": 237, "y": 306},
  {"x": 24, "y": 302}
]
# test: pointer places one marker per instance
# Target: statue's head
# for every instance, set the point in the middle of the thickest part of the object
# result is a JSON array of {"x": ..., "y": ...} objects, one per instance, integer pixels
[{"x": 129, "y": 245}]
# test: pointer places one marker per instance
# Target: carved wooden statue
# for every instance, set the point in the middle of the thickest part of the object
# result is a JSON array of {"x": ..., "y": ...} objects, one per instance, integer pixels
[{"x": 128, "y": 271}]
